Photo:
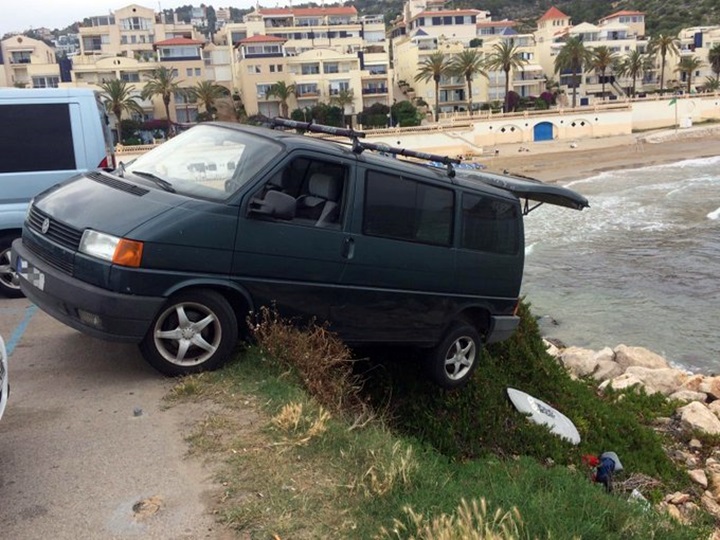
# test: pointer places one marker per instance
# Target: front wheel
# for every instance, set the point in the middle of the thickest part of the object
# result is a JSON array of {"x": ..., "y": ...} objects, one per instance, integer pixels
[
  {"x": 195, "y": 331},
  {"x": 453, "y": 361},
  {"x": 9, "y": 280}
]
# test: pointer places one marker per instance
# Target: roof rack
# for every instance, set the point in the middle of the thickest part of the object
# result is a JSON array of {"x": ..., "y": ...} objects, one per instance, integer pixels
[{"x": 358, "y": 146}]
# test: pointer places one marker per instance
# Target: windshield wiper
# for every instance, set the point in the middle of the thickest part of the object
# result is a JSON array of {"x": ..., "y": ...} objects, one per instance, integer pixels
[{"x": 164, "y": 184}]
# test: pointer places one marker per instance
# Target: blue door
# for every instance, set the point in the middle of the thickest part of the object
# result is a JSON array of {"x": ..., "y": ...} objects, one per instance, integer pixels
[{"x": 543, "y": 132}]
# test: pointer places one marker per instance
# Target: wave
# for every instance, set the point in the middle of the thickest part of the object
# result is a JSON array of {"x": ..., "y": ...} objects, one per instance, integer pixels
[{"x": 715, "y": 214}]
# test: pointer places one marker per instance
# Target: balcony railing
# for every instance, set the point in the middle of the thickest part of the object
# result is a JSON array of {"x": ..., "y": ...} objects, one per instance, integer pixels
[{"x": 377, "y": 90}]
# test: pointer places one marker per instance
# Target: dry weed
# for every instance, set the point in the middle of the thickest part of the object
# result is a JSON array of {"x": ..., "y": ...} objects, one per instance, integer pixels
[
  {"x": 302, "y": 426},
  {"x": 470, "y": 522},
  {"x": 387, "y": 472},
  {"x": 322, "y": 361}
]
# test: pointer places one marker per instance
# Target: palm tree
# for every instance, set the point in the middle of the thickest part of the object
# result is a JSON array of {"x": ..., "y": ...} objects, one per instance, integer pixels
[
  {"x": 505, "y": 56},
  {"x": 662, "y": 45},
  {"x": 282, "y": 91},
  {"x": 633, "y": 65},
  {"x": 575, "y": 57},
  {"x": 341, "y": 99},
  {"x": 687, "y": 65},
  {"x": 118, "y": 98},
  {"x": 206, "y": 92},
  {"x": 712, "y": 84},
  {"x": 468, "y": 64},
  {"x": 162, "y": 82},
  {"x": 602, "y": 59},
  {"x": 434, "y": 67},
  {"x": 714, "y": 59}
]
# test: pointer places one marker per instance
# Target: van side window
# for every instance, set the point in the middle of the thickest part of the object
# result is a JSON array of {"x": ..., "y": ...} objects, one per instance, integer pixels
[
  {"x": 490, "y": 224},
  {"x": 36, "y": 138},
  {"x": 396, "y": 207},
  {"x": 318, "y": 188}
]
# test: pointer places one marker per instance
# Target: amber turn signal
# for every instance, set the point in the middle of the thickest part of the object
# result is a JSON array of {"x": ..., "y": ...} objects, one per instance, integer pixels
[{"x": 128, "y": 253}]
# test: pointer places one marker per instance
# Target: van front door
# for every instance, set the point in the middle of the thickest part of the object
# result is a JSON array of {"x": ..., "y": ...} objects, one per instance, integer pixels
[{"x": 296, "y": 264}]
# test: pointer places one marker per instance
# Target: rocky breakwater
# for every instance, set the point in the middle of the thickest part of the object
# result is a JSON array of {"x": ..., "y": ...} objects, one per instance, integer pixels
[{"x": 698, "y": 411}]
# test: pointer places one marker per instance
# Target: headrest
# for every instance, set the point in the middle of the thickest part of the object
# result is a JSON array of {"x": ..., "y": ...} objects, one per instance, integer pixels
[{"x": 325, "y": 186}]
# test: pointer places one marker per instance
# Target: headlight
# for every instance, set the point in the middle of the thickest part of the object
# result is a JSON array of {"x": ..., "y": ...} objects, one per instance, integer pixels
[
  {"x": 100, "y": 245},
  {"x": 110, "y": 248}
]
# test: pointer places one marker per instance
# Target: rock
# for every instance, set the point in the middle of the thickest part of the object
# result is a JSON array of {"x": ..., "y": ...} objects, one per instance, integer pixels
[
  {"x": 714, "y": 483},
  {"x": 695, "y": 444},
  {"x": 677, "y": 498},
  {"x": 578, "y": 361},
  {"x": 710, "y": 504},
  {"x": 622, "y": 382},
  {"x": 606, "y": 354},
  {"x": 687, "y": 396},
  {"x": 551, "y": 349},
  {"x": 693, "y": 382},
  {"x": 710, "y": 386},
  {"x": 714, "y": 407},
  {"x": 664, "y": 380},
  {"x": 712, "y": 464},
  {"x": 695, "y": 415},
  {"x": 639, "y": 356},
  {"x": 699, "y": 477},
  {"x": 607, "y": 369}
]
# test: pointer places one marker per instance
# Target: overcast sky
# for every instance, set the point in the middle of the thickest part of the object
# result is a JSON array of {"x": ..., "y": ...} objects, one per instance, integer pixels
[{"x": 20, "y": 15}]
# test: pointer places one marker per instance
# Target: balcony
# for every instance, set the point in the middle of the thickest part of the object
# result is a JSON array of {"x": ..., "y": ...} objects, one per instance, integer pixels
[{"x": 375, "y": 90}]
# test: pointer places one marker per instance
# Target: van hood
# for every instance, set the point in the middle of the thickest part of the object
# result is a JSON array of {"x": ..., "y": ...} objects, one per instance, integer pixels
[
  {"x": 104, "y": 202},
  {"x": 528, "y": 188}
]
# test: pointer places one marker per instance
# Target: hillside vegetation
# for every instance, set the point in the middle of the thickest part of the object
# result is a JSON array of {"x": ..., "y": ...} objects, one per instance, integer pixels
[{"x": 661, "y": 16}]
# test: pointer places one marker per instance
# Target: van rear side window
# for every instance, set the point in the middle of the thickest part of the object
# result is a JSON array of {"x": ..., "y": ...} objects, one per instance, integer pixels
[
  {"x": 396, "y": 207},
  {"x": 490, "y": 224},
  {"x": 36, "y": 137}
]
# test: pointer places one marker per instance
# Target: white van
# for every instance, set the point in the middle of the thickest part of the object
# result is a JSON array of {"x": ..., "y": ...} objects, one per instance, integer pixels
[{"x": 47, "y": 135}]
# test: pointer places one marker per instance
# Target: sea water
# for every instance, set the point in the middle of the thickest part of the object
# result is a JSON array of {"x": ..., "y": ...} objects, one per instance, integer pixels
[{"x": 641, "y": 266}]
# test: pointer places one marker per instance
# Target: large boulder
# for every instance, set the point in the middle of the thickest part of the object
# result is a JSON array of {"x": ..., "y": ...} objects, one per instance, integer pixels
[
  {"x": 578, "y": 361},
  {"x": 664, "y": 380},
  {"x": 639, "y": 356},
  {"x": 622, "y": 382},
  {"x": 696, "y": 416},
  {"x": 710, "y": 386},
  {"x": 687, "y": 396},
  {"x": 607, "y": 369},
  {"x": 693, "y": 382},
  {"x": 715, "y": 407}
]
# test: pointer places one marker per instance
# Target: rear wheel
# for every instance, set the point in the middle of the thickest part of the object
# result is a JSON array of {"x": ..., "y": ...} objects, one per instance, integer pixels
[
  {"x": 9, "y": 279},
  {"x": 452, "y": 362},
  {"x": 195, "y": 331}
]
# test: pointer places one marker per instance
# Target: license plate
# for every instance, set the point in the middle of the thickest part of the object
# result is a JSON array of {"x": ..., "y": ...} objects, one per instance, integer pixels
[{"x": 33, "y": 276}]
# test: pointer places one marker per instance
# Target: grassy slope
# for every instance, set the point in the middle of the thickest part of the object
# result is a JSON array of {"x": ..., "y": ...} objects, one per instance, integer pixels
[{"x": 295, "y": 473}]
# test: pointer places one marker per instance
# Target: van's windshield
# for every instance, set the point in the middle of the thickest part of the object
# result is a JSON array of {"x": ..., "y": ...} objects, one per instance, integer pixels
[{"x": 208, "y": 162}]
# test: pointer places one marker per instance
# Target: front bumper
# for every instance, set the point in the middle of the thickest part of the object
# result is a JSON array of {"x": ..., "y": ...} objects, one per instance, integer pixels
[{"x": 114, "y": 316}]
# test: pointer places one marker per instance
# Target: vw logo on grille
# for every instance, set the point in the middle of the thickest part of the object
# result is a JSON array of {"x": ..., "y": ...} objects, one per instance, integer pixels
[{"x": 45, "y": 226}]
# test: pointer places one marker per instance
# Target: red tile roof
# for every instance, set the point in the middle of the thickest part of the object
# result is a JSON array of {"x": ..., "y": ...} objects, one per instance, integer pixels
[
  {"x": 180, "y": 41},
  {"x": 553, "y": 13},
  {"x": 304, "y": 12},
  {"x": 262, "y": 39}
]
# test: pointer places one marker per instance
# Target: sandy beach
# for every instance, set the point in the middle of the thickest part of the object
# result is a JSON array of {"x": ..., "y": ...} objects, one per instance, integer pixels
[{"x": 564, "y": 161}]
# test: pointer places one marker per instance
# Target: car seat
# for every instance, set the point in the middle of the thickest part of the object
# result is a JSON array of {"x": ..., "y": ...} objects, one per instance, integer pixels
[{"x": 321, "y": 204}]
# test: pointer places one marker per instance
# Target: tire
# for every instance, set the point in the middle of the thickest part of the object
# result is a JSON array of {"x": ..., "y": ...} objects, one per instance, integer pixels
[
  {"x": 452, "y": 362},
  {"x": 194, "y": 331},
  {"x": 9, "y": 280}
]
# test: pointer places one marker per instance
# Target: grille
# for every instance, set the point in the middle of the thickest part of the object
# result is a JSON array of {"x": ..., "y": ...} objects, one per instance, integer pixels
[
  {"x": 56, "y": 260},
  {"x": 58, "y": 232}
]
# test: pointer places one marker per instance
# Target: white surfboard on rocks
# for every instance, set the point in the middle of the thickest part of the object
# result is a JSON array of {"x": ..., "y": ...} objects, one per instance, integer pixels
[{"x": 542, "y": 413}]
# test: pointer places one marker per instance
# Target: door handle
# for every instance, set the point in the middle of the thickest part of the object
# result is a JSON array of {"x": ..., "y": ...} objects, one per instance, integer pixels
[{"x": 348, "y": 248}]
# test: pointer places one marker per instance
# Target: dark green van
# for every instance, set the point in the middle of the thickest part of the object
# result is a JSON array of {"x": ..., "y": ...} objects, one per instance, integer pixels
[{"x": 174, "y": 250}]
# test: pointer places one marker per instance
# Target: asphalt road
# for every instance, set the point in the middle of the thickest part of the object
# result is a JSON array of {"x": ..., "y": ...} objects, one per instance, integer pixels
[{"x": 85, "y": 438}]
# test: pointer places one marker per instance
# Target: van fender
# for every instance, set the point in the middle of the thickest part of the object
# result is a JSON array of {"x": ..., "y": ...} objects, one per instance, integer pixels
[
  {"x": 478, "y": 315},
  {"x": 233, "y": 292},
  {"x": 12, "y": 216}
]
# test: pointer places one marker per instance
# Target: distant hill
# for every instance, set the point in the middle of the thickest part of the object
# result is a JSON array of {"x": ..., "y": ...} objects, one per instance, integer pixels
[{"x": 661, "y": 16}]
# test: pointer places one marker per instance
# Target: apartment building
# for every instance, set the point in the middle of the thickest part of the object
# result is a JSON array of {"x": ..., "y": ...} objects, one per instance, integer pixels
[
  {"x": 131, "y": 42},
  {"x": 321, "y": 51},
  {"x": 28, "y": 63},
  {"x": 696, "y": 41}
]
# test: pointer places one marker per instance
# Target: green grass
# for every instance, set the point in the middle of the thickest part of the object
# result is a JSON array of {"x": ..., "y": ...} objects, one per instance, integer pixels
[{"x": 300, "y": 470}]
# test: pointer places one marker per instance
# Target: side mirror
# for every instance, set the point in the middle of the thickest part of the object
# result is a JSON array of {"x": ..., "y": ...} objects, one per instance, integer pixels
[{"x": 275, "y": 204}]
